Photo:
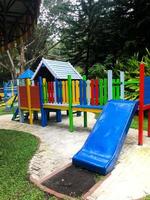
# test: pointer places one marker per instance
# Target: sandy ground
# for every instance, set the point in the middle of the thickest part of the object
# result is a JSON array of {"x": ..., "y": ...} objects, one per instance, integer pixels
[{"x": 129, "y": 180}]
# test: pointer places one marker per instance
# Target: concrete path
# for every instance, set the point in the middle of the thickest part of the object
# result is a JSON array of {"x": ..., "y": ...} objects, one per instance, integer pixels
[{"x": 129, "y": 180}]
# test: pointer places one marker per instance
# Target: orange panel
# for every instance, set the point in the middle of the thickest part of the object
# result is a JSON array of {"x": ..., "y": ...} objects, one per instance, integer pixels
[
  {"x": 23, "y": 96},
  {"x": 35, "y": 96}
]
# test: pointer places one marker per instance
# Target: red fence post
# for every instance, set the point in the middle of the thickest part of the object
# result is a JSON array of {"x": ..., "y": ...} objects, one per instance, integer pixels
[
  {"x": 92, "y": 92},
  {"x": 141, "y": 104},
  {"x": 96, "y": 92}
]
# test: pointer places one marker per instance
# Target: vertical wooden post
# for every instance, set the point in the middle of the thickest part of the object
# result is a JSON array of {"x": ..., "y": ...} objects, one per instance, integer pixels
[
  {"x": 55, "y": 92},
  {"x": 148, "y": 123},
  {"x": 121, "y": 85},
  {"x": 88, "y": 91},
  {"x": 63, "y": 92},
  {"x": 29, "y": 100},
  {"x": 73, "y": 92},
  {"x": 113, "y": 88},
  {"x": 85, "y": 100},
  {"x": 21, "y": 113},
  {"x": 43, "y": 111},
  {"x": 96, "y": 92},
  {"x": 12, "y": 88},
  {"x": 92, "y": 92},
  {"x": 58, "y": 116},
  {"x": 109, "y": 74},
  {"x": 45, "y": 90},
  {"x": 141, "y": 104},
  {"x": 81, "y": 91},
  {"x": 71, "y": 128},
  {"x": 101, "y": 93},
  {"x": 60, "y": 92},
  {"x": 117, "y": 89},
  {"x": 105, "y": 91}
]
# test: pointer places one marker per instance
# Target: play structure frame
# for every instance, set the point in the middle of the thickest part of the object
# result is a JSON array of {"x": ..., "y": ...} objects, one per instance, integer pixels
[
  {"x": 78, "y": 99},
  {"x": 142, "y": 105}
]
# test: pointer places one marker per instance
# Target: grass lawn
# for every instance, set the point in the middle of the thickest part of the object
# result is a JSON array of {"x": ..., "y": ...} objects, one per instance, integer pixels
[
  {"x": 134, "y": 123},
  {"x": 3, "y": 111},
  {"x": 147, "y": 198},
  {"x": 16, "y": 149}
]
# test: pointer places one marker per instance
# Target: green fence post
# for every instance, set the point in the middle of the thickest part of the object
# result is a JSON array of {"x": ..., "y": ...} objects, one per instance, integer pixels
[
  {"x": 71, "y": 128},
  {"x": 113, "y": 88},
  {"x": 46, "y": 91},
  {"x": 117, "y": 89},
  {"x": 105, "y": 91},
  {"x": 85, "y": 113},
  {"x": 101, "y": 95}
]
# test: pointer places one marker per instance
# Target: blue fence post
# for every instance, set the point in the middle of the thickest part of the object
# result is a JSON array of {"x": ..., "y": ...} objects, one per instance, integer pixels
[
  {"x": 57, "y": 91},
  {"x": 81, "y": 92},
  {"x": 60, "y": 91},
  {"x": 58, "y": 116}
]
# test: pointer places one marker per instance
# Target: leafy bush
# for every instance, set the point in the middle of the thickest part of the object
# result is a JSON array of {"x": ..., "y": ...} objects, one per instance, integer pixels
[{"x": 98, "y": 71}]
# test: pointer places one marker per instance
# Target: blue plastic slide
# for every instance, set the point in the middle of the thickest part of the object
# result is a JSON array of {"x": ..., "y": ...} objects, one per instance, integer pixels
[{"x": 102, "y": 147}]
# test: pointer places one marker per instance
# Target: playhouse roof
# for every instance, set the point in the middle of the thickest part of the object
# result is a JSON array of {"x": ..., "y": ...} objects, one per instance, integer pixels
[
  {"x": 59, "y": 69},
  {"x": 27, "y": 74}
]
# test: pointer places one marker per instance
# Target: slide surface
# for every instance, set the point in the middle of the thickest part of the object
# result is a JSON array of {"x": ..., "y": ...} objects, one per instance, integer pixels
[{"x": 101, "y": 149}]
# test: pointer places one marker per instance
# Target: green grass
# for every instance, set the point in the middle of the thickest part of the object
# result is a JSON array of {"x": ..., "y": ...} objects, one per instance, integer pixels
[
  {"x": 147, "y": 197},
  {"x": 3, "y": 111},
  {"x": 16, "y": 149},
  {"x": 134, "y": 123}
]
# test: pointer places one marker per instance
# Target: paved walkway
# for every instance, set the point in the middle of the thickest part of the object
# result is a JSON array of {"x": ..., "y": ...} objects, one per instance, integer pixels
[{"x": 129, "y": 180}]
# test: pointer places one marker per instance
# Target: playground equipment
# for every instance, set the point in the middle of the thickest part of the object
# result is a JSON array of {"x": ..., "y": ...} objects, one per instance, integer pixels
[
  {"x": 8, "y": 95},
  {"x": 25, "y": 75},
  {"x": 112, "y": 127},
  {"x": 106, "y": 95},
  {"x": 144, "y": 102},
  {"x": 71, "y": 95},
  {"x": 105, "y": 141}
]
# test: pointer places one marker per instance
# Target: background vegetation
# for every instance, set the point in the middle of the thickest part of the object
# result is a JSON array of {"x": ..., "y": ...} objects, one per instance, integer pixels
[{"x": 94, "y": 34}]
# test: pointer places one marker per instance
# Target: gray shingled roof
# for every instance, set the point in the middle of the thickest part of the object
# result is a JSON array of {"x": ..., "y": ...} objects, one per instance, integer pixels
[{"x": 59, "y": 69}]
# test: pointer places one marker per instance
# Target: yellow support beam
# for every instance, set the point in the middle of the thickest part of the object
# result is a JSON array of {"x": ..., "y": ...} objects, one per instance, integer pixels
[
  {"x": 26, "y": 108},
  {"x": 66, "y": 91},
  {"x": 77, "y": 91},
  {"x": 73, "y": 92},
  {"x": 56, "y": 107},
  {"x": 63, "y": 92},
  {"x": 87, "y": 110}
]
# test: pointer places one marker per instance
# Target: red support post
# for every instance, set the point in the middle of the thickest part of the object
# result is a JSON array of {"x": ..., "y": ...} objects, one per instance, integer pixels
[
  {"x": 148, "y": 123},
  {"x": 141, "y": 104},
  {"x": 52, "y": 94}
]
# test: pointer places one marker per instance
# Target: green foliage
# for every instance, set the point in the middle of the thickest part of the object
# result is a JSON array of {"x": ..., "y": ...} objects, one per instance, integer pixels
[
  {"x": 98, "y": 71},
  {"x": 80, "y": 70},
  {"x": 16, "y": 150}
]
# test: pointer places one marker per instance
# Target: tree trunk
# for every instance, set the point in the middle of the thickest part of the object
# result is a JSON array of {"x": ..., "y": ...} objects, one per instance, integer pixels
[
  {"x": 22, "y": 59},
  {"x": 13, "y": 71}
]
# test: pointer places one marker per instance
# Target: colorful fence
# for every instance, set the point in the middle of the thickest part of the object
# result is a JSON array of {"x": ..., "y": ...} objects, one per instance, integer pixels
[
  {"x": 68, "y": 93},
  {"x": 90, "y": 92}
]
